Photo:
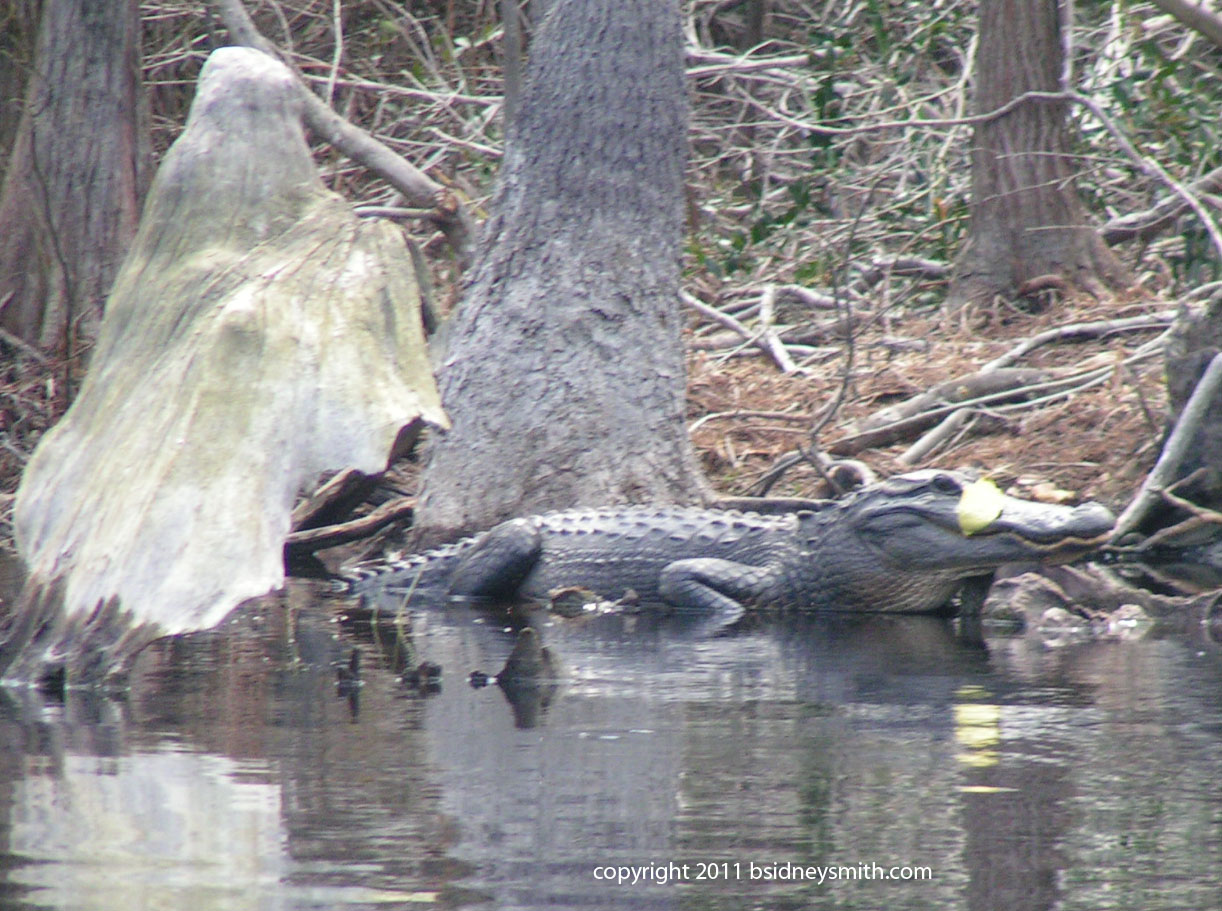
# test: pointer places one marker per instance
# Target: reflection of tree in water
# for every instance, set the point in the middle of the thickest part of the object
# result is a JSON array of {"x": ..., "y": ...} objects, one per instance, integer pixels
[{"x": 236, "y": 732}]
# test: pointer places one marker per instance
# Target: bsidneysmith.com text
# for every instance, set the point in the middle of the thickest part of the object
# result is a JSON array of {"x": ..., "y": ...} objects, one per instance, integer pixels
[{"x": 661, "y": 874}]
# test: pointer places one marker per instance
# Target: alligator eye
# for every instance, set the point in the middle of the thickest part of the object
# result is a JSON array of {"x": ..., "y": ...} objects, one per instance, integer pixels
[{"x": 944, "y": 483}]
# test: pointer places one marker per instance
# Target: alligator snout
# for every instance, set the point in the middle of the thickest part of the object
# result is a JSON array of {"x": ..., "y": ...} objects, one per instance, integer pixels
[
  {"x": 1048, "y": 524},
  {"x": 1093, "y": 518}
]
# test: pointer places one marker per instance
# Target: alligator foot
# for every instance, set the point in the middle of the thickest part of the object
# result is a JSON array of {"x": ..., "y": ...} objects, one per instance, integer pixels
[
  {"x": 717, "y": 586},
  {"x": 496, "y": 565}
]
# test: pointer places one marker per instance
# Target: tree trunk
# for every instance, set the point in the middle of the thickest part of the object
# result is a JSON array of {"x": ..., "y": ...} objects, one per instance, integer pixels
[
  {"x": 18, "y": 28},
  {"x": 1027, "y": 219},
  {"x": 71, "y": 194},
  {"x": 565, "y": 377}
]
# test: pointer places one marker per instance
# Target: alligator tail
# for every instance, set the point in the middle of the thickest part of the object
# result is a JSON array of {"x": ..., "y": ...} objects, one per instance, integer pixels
[{"x": 428, "y": 570}]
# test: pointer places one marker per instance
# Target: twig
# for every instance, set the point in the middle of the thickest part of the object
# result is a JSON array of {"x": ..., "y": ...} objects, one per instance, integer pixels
[
  {"x": 844, "y": 309},
  {"x": 702, "y": 63},
  {"x": 1010, "y": 383},
  {"x": 1079, "y": 330},
  {"x": 768, "y": 338},
  {"x": 1055, "y": 389},
  {"x": 1174, "y": 451},
  {"x": 337, "y": 55},
  {"x": 1197, "y": 16},
  {"x": 1209, "y": 515},
  {"x": 1209, "y": 289},
  {"x": 1145, "y": 223},
  {"x": 775, "y": 472},
  {"x": 766, "y": 343},
  {"x": 909, "y": 266},
  {"x": 736, "y": 415},
  {"x": 314, "y": 539},
  {"x": 395, "y": 212},
  {"x": 1152, "y": 168},
  {"x": 1199, "y": 517},
  {"x": 24, "y": 347}
]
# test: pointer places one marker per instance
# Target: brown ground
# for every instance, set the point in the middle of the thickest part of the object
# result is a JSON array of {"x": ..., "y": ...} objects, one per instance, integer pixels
[{"x": 1097, "y": 444}]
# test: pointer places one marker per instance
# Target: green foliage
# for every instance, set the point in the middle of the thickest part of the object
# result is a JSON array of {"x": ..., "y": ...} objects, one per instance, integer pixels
[{"x": 785, "y": 170}]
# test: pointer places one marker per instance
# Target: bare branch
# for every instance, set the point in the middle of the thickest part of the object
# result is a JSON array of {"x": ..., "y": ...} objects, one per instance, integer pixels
[
  {"x": 1080, "y": 330},
  {"x": 447, "y": 212},
  {"x": 1154, "y": 219},
  {"x": 1176, "y": 448},
  {"x": 1196, "y": 16}
]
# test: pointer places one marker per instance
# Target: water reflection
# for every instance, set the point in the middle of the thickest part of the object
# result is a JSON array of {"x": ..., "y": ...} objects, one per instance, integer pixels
[{"x": 239, "y": 775}]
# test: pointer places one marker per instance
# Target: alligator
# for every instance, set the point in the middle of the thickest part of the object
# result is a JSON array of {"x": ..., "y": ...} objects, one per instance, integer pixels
[{"x": 905, "y": 545}]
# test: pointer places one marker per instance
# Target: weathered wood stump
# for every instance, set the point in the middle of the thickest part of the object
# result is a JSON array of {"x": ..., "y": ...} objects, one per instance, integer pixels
[
  {"x": 258, "y": 334},
  {"x": 1196, "y": 338}
]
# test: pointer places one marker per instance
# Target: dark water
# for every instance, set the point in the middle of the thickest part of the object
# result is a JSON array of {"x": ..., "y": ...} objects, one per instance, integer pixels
[{"x": 909, "y": 768}]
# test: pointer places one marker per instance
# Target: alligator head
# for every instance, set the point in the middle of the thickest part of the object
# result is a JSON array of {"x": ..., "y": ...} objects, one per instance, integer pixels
[{"x": 913, "y": 541}]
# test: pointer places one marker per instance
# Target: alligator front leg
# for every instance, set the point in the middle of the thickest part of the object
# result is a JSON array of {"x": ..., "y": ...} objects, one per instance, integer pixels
[
  {"x": 720, "y": 586},
  {"x": 498, "y": 562}
]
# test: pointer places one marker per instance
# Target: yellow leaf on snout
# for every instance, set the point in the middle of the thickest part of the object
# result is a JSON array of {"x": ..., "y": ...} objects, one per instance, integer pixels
[{"x": 979, "y": 505}]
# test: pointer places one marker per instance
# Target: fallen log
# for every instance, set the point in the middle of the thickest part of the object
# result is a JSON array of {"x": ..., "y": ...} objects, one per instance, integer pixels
[
  {"x": 920, "y": 412},
  {"x": 258, "y": 335}
]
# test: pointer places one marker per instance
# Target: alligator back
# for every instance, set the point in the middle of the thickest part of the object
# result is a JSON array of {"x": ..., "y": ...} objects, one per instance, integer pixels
[
  {"x": 612, "y": 551},
  {"x": 609, "y": 551}
]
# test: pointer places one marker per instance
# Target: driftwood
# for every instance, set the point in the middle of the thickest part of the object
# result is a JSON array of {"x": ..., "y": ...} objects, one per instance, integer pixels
[
  {"x": 1174, "y": 451},
  {"x": 309, "y": 540},
  {"x": 258, "y": 335},
  {"x": 919, "y": 412},
  {"x": 993, "y": 384}
]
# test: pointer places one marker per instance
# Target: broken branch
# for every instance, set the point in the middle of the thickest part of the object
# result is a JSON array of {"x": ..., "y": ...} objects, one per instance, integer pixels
[
  {"x": 1174, "y": 451},
  {"x": 1078, "y": 331},
  {"x": 314, "y": 539},
  {"x": 450, "y": 216}
]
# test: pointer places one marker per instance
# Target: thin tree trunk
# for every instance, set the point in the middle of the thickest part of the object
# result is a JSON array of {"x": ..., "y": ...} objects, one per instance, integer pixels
[
  {"x": 1027, "y": 218},
  {"x": 565, "y": 377},
  {"x": 71, "y": 194},
  {"x": 18, "y": 28}
]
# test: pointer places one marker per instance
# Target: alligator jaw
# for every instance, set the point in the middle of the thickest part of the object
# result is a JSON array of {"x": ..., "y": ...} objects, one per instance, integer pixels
[
  {"x": 1052, "y": 533},
  {"x": 925, "y": 533}
]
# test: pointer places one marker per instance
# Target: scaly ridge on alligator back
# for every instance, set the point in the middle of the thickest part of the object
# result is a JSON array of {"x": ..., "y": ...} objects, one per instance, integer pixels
[{"x": 625, "y": 524}]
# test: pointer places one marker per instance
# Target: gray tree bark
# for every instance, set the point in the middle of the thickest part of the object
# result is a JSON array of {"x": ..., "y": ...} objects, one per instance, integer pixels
[
  {"x": 1026, "y": 217},
  {"x": 18, "y": 29},
  {"x": 71, "y": 196},
  {"x": 565, "y": 377}
]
